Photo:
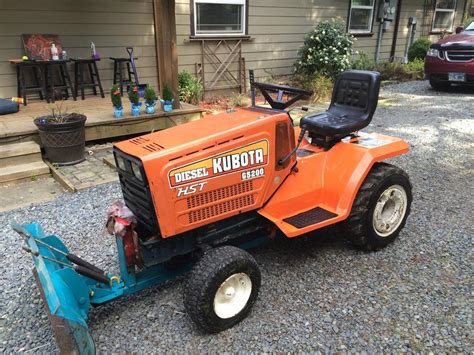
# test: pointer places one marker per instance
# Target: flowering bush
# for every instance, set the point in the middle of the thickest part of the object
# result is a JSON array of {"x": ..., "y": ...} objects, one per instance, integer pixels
[
  {"x": 115, "y": 96},
  {"x": 327, "y": 50}
]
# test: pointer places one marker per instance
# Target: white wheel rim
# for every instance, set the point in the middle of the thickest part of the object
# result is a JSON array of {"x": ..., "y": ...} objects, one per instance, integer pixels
[
  {"x": 232, "y": 295},
  {"x": 390, "y": 210}
]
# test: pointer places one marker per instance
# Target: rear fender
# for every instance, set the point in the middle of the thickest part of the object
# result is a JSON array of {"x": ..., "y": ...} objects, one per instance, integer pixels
[{"x": 329, "y": 180}]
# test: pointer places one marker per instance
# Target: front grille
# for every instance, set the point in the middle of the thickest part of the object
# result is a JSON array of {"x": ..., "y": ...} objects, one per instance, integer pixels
[
  {"x": 137, "y": 194},
  {"x": 460, "y": 55},
  {"x": 219, "y": 194},
  {"x": 220, "y": 208}
]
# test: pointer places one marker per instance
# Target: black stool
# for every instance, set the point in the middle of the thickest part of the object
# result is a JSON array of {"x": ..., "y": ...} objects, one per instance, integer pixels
[
  {"x": 119, "y": 66},
  {"x": 38, "y": 86},
  {"x": 64, "y": 84},
  {"x": 90, "y": 65}
]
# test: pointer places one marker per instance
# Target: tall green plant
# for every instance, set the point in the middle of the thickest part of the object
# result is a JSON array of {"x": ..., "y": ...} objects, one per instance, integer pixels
[
  {"x": 326, "y": 51},
  {"x": 190, "y": 89},
  {"x": 167, "y": 94},
  {"x": 115, "y": 96},
  {"x": 149, "y": 94},
  {"x": 133, "y": 94}
]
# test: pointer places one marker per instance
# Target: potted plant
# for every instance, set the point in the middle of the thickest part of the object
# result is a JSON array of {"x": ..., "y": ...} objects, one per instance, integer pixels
[
  {"x": 134, "y": 100},
  {"x": 116, "y": 101},
  {"x": 150, "y": 99},
  {"x": 167, "y": 99},
  {"x": 62, "y": 136}
]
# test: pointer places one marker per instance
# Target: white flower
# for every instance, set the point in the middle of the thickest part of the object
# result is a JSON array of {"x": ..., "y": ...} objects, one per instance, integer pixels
[
  {"x": 317, "y": 38},
  {"x": 324, "y": 32}
]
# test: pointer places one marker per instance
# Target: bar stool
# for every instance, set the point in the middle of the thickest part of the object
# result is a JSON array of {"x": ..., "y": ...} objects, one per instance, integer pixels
[
  {"x": 80, "y": 67},
  {"x": 22, "y": 70},
  {"x": 64, "y": 84},
  {"x": 119, "y": 65}
]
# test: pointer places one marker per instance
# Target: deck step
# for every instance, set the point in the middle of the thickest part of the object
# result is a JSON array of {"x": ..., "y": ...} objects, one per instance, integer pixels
[
  {"x": 19, "y": 153},
  {"x": 22, "y": 171},
  {"x": 17, "y": 149}
]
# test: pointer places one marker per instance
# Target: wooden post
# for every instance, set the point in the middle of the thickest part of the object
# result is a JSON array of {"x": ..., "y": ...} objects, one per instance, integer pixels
[{"x": 166, "y": 50}]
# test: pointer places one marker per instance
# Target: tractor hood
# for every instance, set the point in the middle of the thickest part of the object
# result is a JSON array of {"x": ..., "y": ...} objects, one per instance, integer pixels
[{"x": 192, "y": 136}]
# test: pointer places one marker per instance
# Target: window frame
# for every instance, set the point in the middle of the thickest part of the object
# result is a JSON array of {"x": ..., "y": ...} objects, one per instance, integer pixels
[
  {"x": 453, "y": 14},
  {"x": 369, "y": 31},
  {"x": 196, "y": 34}
]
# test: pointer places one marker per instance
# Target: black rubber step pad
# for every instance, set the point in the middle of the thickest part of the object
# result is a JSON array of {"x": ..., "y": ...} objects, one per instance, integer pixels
[{"x": 310, "y": 217}]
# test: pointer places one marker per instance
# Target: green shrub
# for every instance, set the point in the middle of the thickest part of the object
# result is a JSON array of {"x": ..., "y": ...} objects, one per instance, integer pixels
[
  {"x": 166, "y": 93},
  {"x": 190, "y": 89},
  {"x": 362, "y": 62},
  {"x": 149, "y": 94},
  {"x": 320, "y": 85},
  {"x": 239, "y": 100},
  {"x": 468, "y": 21},
  {"x": 418, "y": 49},
  {"x": 326, "y": 50}
]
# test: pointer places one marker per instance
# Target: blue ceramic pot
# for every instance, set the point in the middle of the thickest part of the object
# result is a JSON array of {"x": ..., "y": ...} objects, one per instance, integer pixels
[
  {"x": 118, "y": 112},
  {"x": 167, "y": 105},
  {"x": 136, "y": 109},
  {"x": 150, "y": 107}
]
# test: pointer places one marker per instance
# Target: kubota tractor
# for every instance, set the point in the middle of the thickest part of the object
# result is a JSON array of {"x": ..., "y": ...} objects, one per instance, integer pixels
[{"x": 198, "y": 194}]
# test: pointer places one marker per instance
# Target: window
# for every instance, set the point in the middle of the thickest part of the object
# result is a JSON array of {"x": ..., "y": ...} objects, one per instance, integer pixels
[
  {"x": 219, "y": 17},
  {"x": 361, "y": 15},
  {"x": 444, "y": 15}
]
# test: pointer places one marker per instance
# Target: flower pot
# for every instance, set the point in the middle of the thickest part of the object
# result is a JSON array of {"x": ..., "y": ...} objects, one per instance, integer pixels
[
  {"x": 118, "y": 112},
  {"x": 63, "y": 142},
  {"x": 136, "y": 109},
  {"x": 167, "y": 105},
  {"x": 150, "y": 107}
]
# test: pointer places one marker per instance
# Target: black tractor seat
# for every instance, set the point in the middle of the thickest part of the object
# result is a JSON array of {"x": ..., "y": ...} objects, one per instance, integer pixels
[{"x": 354, "y": 100}]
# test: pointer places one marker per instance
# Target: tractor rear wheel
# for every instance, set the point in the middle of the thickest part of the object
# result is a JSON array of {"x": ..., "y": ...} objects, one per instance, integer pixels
[
  {"x": 222, "y": 288},
  {"x": 380, "y": 209}
]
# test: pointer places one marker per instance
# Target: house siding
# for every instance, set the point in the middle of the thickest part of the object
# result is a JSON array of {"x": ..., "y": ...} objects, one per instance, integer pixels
[
  {"x": 276, "y": 27},
  {"x": 111, "y": 24}
]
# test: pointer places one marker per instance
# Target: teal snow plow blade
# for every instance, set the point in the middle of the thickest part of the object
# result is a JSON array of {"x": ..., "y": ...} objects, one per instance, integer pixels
[
  {"x": 67, "y": 294},
  {"x": 68, "y": 289}
]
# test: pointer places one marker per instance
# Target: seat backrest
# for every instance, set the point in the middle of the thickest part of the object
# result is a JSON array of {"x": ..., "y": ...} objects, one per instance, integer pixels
[{"x": 355, "y": 94}]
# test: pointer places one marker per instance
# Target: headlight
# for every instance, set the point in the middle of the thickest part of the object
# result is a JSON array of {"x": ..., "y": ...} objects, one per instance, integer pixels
[
  {"x": 432, "y": 52},
  {"x": 121, "y": 163},
  {"x": 136, "y": 171}
]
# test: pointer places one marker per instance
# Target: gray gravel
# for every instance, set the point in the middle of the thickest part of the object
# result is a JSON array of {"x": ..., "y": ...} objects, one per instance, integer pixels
[{"x": 416, "y": 295}]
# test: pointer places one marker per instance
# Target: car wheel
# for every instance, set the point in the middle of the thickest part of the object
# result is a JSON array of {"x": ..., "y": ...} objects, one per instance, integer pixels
[
  {"x": 222, "y": 288},
  {"x": 380, "y": 209},
  {"x": 439, "y": 85}
]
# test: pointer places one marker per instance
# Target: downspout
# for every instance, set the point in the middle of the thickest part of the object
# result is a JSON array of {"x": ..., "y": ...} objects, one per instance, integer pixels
[{"x": 395, "y": 31}]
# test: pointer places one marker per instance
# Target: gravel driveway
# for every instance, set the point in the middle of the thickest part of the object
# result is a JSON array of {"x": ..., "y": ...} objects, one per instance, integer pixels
[{"x": 416, "y": 295}]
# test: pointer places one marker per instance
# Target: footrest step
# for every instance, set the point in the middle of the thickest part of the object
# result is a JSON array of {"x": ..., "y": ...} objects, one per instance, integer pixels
[{"x": 307, "y": 218}]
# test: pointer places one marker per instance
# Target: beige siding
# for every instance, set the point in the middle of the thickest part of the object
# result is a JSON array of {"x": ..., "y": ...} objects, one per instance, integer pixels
[
  {"x": 276, "y": 27},
  {"x": 111, "y": 24}
]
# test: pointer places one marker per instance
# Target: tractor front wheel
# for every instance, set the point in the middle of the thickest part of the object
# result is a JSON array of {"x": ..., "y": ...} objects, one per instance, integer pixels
[
  {"x": 380, "y": 209},
  {"x": 222, "y": 288}
]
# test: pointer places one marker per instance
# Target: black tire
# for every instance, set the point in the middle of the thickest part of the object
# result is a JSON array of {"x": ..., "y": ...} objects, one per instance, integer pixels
[
  {"x": 439, "y": 85},
  {"x": 359, "y": 228},
  {"x": 209, "y": 273}
]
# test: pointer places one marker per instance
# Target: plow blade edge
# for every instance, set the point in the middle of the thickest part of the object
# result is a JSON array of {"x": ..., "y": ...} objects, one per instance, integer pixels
[{"x": 66, "y": 294}]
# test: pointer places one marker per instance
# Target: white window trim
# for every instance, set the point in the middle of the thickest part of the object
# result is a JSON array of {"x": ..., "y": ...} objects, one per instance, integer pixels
[
  {"x": 219, "y": 33},
  {"x": 453, "y": 14},
  {"x": 371, "y": 20}
]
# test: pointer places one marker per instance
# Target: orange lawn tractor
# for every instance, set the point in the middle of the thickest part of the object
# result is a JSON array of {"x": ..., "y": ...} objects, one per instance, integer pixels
[{"x": 198, "y": 194}]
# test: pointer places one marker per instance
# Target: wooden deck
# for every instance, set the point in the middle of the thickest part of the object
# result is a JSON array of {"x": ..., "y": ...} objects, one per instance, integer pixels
[{"x": 100, "y": 122}]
